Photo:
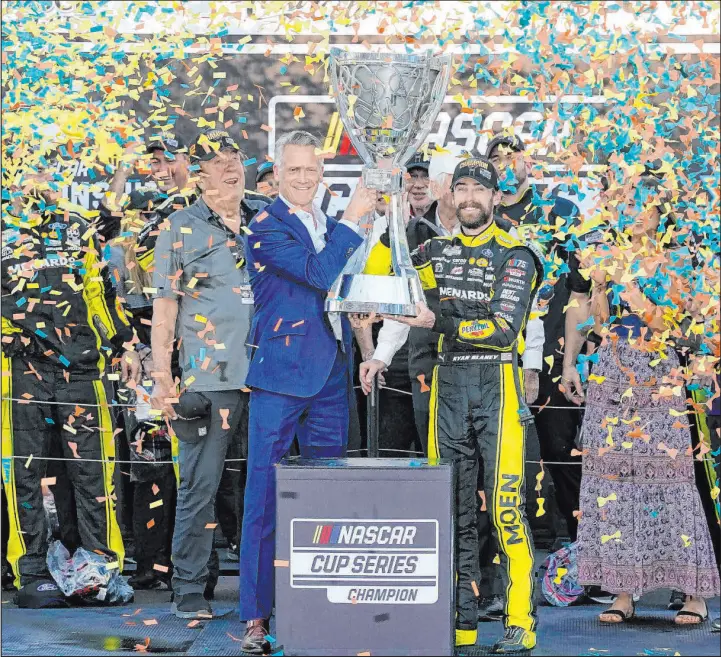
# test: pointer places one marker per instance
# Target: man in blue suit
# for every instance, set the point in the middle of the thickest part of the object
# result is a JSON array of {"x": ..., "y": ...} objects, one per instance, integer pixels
[{"x": 301, "y": 356}]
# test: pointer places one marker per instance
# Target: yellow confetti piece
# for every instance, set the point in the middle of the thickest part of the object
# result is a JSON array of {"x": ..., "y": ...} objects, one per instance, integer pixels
[
  {"x": 201, "y": 319},
  {"x": 156, "y": 504},
  {"x": 112, "y": 565},
  {"x": 602, "y": 501},
  {"x": 686, "y": 540},
  {"x": 559, "y": 574},
  {"x": 27, "y": 463},
  {"x": 541, "y": 511},
  {"x": 186, "y": 231},
  {"x": 607, "y": 537},
  {"x": 497, "y": 559}
]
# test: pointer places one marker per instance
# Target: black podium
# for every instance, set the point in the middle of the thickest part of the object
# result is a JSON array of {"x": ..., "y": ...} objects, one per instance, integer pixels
[{"x": 364, "y": 557}]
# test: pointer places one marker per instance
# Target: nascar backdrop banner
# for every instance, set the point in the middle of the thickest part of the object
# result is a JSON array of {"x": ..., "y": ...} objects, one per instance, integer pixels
[{"x": 271, "y": 107}]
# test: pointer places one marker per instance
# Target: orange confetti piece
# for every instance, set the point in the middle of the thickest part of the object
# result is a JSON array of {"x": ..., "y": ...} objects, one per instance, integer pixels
[
  {"x": 158, "y": 567},
  {"x": 155, "y": 489},
  {"x": 474, "y": 586},
  {"x": 150, "y": 621},
  {"x": 150, "y": 524},
  {"x": 48, "y": 481},
  {"x": 224, "y": 413},
  {"x": 482, "y": 495},
  {"x": 277, "y": 324},
  {"x": 193, "y": 623},
  {"x": 281, "y": 563},
  {"x": 74, "y": 448},
  {"x": 422, "y": 379},
  {"x": 211, "y": 525}
]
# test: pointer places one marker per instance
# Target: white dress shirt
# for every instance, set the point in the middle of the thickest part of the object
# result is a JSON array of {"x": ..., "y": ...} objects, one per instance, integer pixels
[{"x": 316, "y": 224}]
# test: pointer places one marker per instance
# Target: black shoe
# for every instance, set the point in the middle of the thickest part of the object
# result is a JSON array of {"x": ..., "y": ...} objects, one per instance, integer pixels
[
  {"x": 516, "y": 639},
  {"x": 254, "y": 641},
  {"x": 8, "y": 580},
  {"x": 191, "y": 605},
  {"x": 491, "y": 608},
  {"x": 41, "y": 594},
  {"x": 147, "y": 582},
  {"x": 716, "y": 625},
  {"x": 677, "y": 601},
  {"x": 209, "y": 593}
]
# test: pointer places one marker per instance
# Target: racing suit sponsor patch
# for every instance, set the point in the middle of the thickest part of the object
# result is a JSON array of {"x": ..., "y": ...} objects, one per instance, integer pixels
[{"x": 477, "y": 329}]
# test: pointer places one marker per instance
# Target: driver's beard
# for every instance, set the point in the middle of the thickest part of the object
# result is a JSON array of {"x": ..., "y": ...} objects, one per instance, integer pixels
[{"x": 482, "y": 218}]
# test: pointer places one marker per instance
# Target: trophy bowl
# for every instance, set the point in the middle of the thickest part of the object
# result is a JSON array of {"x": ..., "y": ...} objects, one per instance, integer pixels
[{"x": 388, "y": 103}]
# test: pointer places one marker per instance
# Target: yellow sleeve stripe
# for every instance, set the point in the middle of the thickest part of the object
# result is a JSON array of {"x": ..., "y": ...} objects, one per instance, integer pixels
[{"x": 425, "y": 273}]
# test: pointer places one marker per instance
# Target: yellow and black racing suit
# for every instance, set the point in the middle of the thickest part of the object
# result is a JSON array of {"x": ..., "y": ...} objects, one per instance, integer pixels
[
  {"x": 61, "y": 328},
  {"x": 480, "y": 289}
]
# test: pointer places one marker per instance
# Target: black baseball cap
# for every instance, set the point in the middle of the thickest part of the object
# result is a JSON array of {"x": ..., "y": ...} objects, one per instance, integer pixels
[
  {"x": 166, "y": 142},
  {"x": 478, "y": 168},
  {"x": 262, "y": 170},
  {"x": 418, "y": 162},
  {"x": 209, "y": 142},
  {"x": 513, "y": 142}
]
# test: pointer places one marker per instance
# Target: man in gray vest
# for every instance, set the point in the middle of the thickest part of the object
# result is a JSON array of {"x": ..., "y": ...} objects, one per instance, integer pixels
[{"x": 203, "y": 299}]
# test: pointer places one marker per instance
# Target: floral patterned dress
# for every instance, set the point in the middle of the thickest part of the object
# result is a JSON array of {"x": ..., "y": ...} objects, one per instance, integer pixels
[{"x": 642, "y": 526}]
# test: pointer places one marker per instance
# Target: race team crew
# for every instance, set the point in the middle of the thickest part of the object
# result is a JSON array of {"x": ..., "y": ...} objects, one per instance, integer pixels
[
  {"x": 61, "y": 328},
  {"x": 480, "y": 285}
]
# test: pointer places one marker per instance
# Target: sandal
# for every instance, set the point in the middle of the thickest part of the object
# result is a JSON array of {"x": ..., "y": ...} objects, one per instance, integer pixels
[
  {"x": 697, "y": 618},
  {"x": 618, "y": 615}
]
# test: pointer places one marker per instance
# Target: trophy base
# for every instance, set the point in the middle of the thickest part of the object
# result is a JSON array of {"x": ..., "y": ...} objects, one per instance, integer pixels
[
  {"x": 367, "y": 307},
  {"x": 365, "y": 293}
]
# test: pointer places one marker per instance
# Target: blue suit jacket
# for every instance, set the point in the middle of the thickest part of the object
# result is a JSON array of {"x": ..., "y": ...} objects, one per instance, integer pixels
[{"x": 292, "y": 346}]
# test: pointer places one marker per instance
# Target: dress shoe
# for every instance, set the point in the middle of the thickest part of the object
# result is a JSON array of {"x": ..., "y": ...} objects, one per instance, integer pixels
[{"x": 254, "y": 641}]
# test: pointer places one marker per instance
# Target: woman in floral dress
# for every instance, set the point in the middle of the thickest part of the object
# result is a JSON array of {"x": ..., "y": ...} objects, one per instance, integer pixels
[{"x": 642, "y": 525}]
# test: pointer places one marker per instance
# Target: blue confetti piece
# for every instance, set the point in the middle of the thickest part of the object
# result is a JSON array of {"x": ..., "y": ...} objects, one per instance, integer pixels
[
  {"x": 21, "y": 302},
  {"x": 64, "y": 361},
  {"x": 250, "y": 161},
  {"x": 49, "y": 420}
]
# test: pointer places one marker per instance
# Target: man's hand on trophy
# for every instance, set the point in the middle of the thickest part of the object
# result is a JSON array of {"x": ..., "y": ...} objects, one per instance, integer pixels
[
  {"x": 362, "y": 203},
  {"x": 369, "y": 369},
  {"x": 426, "y": 318},
  {"x": 362, "y": 320}
]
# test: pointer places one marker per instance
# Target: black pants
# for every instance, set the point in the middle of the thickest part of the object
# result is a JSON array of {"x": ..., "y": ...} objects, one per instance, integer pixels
[
  {"x": 152, "y": 522},
  {"x": 397, "y": 435},
  {"x": 85, "y": 434},
  {"x": 474, "y": 418},
  {"x": 421, "y": 410},
  {"x": 557, "y": 429}
]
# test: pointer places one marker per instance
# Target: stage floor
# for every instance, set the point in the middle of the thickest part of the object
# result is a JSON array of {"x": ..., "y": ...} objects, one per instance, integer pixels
[{"x": 148, "y": 623}]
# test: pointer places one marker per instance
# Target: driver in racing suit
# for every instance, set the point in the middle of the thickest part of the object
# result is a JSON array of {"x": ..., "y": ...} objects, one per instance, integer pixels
[
  {"x": 61, "y": 330},
  {"x": 479, "y": 286}
]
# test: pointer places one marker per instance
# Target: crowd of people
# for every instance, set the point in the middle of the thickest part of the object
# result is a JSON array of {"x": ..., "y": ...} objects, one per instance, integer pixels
[{"x": 197, "y": 307}]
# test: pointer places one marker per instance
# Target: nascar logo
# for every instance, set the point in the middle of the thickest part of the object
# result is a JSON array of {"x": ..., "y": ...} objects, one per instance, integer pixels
[{"x": 337, "y": 534}]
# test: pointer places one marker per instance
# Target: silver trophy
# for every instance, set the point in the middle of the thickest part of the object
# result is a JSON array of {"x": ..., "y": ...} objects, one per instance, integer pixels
[{"x": 388, "y": 104}]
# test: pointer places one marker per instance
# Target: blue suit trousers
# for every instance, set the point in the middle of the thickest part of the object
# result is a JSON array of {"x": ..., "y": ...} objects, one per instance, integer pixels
[{"x": 273, "y": 423}]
